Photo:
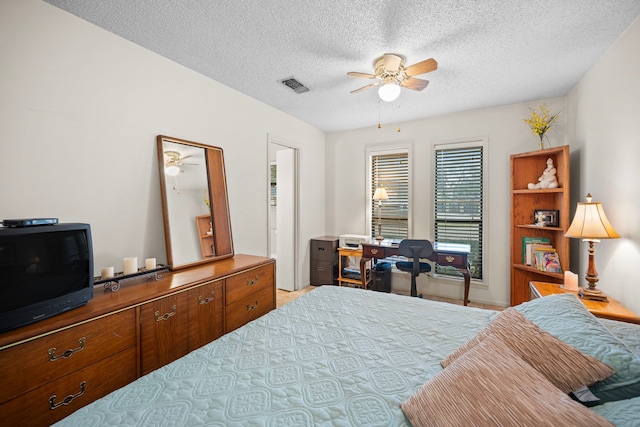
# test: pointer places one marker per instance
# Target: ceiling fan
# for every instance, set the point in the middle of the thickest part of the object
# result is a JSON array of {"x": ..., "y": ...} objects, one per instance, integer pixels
[
  {"x": 173, "y": 162},
  {"x": 391, "y": 72}
]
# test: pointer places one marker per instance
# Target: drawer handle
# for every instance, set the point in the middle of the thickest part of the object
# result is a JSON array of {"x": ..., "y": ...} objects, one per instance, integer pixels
[
  {"x": 252, "y": 307},
  {"x": 68, "y": 353},
  {"x": 251, "y": 282},
  {"x": 52, "y": 400},
  {"x": 374, "y": 251},
  {"x": 449, "y": 258},
  {"x": 207, "y": 300},
  {"x": 166, "y": 315}
]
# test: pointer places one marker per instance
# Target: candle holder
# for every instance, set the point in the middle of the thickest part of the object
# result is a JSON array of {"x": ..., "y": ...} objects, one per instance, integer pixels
[{"x": 112, "y": 284}]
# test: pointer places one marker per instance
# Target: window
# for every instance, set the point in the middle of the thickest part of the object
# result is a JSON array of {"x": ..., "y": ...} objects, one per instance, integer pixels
[
  {"x": 458, "y": 200},
  {"x": 390, "y": 169}
]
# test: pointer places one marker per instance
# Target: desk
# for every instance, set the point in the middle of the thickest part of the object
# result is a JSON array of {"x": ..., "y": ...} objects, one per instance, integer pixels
[{"x": 444, "y": 254}]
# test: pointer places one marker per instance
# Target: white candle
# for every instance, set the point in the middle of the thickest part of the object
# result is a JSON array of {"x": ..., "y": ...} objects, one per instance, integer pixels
[
  {"x": 570, "y": 281},
  {"x": 107, "y": 273},
  {"x": 130, "y": 265},
  {"x": 150, "y": 263}
]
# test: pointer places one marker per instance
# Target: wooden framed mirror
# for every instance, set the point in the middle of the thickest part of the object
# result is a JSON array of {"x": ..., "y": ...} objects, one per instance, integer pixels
[{"x": 195, "y": 205}]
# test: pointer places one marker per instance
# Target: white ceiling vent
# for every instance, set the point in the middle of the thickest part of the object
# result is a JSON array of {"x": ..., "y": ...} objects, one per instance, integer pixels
[{"x": 295, "y": 85}]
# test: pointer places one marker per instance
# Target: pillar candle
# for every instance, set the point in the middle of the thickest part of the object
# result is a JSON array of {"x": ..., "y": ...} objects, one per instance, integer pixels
[
  {"x": 150, "y": 263},
  {"x": 130, "y": 265},
  {"x": 107, "y": 273},
  {"x": 570, "y": 281}
]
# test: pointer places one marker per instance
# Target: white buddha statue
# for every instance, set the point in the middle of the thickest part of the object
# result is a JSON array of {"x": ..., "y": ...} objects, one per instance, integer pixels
[{"x": 548, "y": 178}]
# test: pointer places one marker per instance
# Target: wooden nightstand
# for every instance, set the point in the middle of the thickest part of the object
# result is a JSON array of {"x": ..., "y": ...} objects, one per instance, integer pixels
[{"x": 611, "y": 310}]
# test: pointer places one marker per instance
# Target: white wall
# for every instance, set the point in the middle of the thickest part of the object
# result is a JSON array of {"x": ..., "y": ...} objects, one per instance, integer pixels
[
  {"x": 605, "y": 133},
  {"x": 80, "y": 109},
  {"x": 506, "y": 133},
  {"x": 79, "y": 113},
  {"x": 598, "y": 119}
]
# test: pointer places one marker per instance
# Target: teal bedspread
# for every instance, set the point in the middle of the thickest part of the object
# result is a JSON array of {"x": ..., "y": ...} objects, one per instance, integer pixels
[{"x": 333, "y": 357}]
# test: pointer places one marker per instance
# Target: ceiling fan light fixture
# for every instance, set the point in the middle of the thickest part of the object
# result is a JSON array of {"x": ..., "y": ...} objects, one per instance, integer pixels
[
  {"x": 389, "y": 92},
  {"x": 172, "y": 170}
]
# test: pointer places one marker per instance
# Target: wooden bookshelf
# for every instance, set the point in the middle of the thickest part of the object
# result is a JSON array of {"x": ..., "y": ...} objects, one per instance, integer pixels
[
  {"x": 527, "y": 168},
  {"x": 205, "y": 234}
]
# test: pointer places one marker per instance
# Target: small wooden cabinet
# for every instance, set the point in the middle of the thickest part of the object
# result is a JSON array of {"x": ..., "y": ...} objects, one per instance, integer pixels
[
  {"x": 527, "y": 168},
  {"x": 205, "y": 235},
  {"x": 205, "y": 313},
  {"x": 357, "y": 280},
  {"x": 54, "y": 367},
  {"x": 179, "y": 323},
  {"x": 163, "y": 331}
]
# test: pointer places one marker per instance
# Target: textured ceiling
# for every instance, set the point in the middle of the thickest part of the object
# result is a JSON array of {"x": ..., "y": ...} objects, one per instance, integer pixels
[{"x": 489, "y": 53}]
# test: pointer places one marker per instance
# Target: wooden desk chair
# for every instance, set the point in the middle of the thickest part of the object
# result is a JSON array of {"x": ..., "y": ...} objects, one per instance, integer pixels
[{"x": 414, "y": 249}]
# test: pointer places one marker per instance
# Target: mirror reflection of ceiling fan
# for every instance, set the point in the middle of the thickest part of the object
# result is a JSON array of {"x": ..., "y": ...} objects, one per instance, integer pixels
[
  {"x": 173, "y": 161},
  {"x": 391, "y": 72}
]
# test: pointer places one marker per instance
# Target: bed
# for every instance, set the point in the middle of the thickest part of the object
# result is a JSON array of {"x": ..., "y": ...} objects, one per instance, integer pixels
[{"x": 339, "y": 356}]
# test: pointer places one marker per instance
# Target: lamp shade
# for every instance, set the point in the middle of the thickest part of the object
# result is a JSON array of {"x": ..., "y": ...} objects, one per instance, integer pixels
[
  {"x": 380, "y": 194},
  {"x": 389, "y": 92},
  {"x": 590, "y": 222}
]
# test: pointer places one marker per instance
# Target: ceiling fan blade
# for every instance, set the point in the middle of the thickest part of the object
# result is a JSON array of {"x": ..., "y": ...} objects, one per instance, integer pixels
[
  {"x": 391, "y": 62},
  {"x": 415, "y": 84},
  {"x": 357, "y": 74},
  {"x": 421, "y": 67},
  {"x": 365, "y": 87}
]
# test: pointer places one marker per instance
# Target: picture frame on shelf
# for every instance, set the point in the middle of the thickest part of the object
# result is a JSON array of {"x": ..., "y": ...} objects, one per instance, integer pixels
[{"x": 546, "y": 217}]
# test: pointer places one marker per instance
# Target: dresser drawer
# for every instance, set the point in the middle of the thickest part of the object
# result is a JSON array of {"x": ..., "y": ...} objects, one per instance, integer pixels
[
  {"x": 51, "y": 357},
  {"x": 252, "y": 307},
  {"x": 44, "y": 405},
  {"x": 243, "y": 285},
  {"x": 378, "y": 252},
  {"x": 452, "y": 260}
]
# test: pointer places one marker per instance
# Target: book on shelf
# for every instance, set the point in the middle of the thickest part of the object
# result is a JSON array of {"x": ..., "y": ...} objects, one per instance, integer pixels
[
  {"x": 527, "y": 247},
  {"x": 547, "y": 259},
  {"x": 534, "y": 253}
]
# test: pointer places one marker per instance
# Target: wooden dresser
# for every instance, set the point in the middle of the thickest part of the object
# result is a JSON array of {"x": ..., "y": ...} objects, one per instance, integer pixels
[{"x": 54, "y": 367}]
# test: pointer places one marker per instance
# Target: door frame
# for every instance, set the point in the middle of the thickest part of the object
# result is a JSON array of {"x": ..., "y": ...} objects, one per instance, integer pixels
[{"x": 283, "y": 142}]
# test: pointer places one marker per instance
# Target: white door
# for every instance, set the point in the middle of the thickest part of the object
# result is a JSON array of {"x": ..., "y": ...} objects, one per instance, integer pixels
[{"x": 285, "y": 219}]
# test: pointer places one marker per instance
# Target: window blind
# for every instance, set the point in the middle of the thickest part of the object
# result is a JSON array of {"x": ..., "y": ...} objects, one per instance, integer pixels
[
  {"x": 391, "y": 171},
  {"x": 458, "y": 201}
]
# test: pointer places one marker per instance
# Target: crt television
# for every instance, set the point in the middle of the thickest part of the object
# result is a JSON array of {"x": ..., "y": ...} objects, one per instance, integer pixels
[{"x": 44, "y": 270}]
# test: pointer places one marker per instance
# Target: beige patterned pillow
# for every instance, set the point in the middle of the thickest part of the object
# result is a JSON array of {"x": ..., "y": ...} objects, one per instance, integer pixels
[
  {"x": 563, "y": 365},
  {"x": 491, "y": 386}
]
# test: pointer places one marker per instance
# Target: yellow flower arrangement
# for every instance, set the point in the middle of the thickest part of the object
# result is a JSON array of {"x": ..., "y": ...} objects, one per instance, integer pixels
[{"x": 541, "y": 121}]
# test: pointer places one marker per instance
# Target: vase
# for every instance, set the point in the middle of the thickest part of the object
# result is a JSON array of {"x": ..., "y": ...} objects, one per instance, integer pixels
[{"x": 541, "y": 143}]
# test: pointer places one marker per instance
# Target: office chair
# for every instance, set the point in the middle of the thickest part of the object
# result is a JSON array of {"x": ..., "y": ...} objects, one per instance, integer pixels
[{"x": 415, "y": 249}]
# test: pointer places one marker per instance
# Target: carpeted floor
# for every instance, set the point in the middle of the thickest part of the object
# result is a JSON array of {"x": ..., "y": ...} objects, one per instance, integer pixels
[{"x": 283, "y": 297}]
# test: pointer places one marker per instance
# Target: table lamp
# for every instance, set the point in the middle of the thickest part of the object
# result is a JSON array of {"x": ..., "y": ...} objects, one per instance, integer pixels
[
  {"x": 591, "y": 224},
  {"x": 380, "y": 195}
]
